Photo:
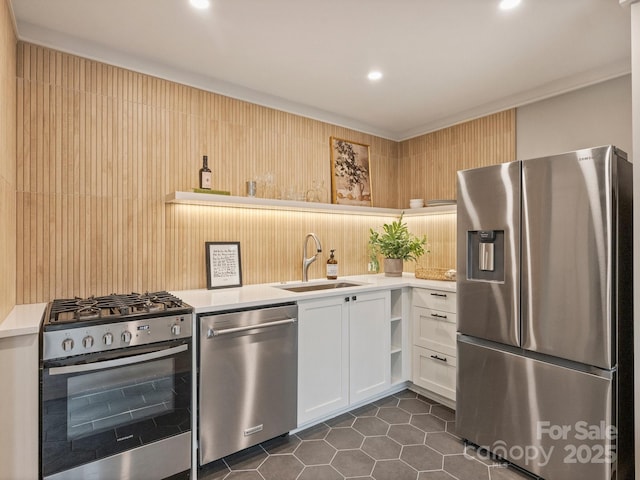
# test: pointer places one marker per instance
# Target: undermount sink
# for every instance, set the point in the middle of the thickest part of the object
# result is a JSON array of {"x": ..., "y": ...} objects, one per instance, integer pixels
[{"x": 320, "y": 286}]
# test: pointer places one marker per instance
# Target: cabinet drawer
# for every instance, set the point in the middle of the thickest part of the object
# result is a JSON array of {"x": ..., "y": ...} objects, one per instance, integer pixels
[
  {"x": 435, "y": 371},
  {"x": 435, "y": 299},
  {"x": 435, "y": 330}
]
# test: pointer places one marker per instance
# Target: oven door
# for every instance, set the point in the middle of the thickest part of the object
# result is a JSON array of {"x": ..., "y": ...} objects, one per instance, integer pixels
[{"x": 117, "y": 403}]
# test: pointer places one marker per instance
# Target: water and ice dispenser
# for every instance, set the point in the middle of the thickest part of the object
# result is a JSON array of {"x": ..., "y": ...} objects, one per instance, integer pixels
[{"x": 485, "y": 255}]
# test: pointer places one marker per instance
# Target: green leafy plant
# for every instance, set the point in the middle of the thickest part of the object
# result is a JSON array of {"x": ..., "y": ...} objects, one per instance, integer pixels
[{"x": 397, "y": 242}]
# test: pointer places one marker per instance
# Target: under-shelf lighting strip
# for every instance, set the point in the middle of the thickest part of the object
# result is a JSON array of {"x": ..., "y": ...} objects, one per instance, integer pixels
[{"x": 190, "y": 198}]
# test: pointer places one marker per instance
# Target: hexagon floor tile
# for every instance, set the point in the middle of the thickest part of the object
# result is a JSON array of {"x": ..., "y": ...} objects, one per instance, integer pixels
[
  {"x": 281, "y": 467},
  {"x": 315, "y": 452},
  {"x": 381, "y": 448},
  {"x": 404, "y": 436},
  {"x": 393, "y": 415},
  {"x": 371, "y": 426}
]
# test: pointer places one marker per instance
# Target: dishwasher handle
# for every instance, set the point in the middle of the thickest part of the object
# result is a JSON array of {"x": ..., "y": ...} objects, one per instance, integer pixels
[{"x": 211, "y": 332}]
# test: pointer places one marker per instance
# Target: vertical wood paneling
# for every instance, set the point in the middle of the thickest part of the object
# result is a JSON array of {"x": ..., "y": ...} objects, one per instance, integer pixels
[
  {"x": 428, "y": 166},
  {"x": 99, "y": 147},
  {"x": 271, "y": 242},
  {"x": 441, "y": 240},
  {"x": 8, "y": 97},
  {"x": 432, "y": 160}
]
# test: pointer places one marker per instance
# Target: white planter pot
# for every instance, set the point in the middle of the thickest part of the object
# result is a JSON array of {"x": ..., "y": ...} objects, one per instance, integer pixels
[{"x": 393, "y": 267}]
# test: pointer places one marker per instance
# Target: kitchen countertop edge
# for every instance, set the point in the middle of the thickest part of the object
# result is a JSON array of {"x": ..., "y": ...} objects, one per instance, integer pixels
[
  {"x": 22, "y": 320},
  {"x": 210, "y": 301},
  {"x": 26, "y": 319}
]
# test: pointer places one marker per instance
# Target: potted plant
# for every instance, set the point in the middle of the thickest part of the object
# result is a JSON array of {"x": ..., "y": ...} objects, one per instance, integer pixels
[{"x": 396, "y": 244}]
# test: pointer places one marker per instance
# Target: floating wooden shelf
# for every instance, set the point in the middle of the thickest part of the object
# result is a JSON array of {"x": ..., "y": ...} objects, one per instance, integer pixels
[{"x": 191, "y": 198}]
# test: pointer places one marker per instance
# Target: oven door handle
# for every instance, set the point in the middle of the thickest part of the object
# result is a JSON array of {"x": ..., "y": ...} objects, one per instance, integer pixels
[
  {"x": 211, "y": 332},
  {"x": 118, "y": 362}
]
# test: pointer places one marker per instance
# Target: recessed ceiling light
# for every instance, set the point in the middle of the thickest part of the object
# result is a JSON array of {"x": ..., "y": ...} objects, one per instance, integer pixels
[
  {"x": 509, "y": 4},
  {"x": 200, "y": 4},
  {"x": 374, "y": 75}
]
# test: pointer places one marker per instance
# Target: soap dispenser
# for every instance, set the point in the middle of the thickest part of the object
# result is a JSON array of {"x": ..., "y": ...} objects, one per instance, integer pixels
[{"x": 332, "y": 267}]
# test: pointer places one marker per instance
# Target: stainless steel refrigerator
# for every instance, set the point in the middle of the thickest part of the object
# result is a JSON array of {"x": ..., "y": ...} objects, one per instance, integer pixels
[{"x": 545, "y": 313}]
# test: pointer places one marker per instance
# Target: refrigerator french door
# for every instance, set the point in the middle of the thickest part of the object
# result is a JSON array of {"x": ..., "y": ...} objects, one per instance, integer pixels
[{"x": 545, "y": 311}]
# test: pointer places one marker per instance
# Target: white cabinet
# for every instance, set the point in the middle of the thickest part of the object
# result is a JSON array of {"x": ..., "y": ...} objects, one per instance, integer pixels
[
  {"x": 434, "y": 341},
  {"x": 369, "y": 345},
  {"x": 343, "y": 352},
  {"x": 435, "y": 371},
  {"x": 323, "y": 357},
  {"x": 19, "y": 407}
]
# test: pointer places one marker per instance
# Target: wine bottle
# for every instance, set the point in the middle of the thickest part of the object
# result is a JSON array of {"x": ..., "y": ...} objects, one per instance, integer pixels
[{"x": 205, "y": 174}]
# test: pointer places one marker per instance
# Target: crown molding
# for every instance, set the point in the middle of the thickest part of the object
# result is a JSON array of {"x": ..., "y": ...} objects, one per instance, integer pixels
[{"x": 69, "y": 44}]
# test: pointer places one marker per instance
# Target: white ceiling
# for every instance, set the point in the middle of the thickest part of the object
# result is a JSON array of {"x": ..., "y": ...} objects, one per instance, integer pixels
[{"x": 444, "y": 61}]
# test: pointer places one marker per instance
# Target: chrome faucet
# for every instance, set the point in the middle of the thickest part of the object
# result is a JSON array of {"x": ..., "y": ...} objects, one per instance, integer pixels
[{"x": 306, "y": 261}]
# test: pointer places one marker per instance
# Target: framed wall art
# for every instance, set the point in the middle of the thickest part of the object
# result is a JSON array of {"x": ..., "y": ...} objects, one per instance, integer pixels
[
  {"x": 224, "y": 268},
  {"x": 350, "y": 173}
]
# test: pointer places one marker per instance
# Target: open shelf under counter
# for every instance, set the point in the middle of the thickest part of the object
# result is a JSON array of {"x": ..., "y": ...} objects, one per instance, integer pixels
[{"x": 214, "y": 200}]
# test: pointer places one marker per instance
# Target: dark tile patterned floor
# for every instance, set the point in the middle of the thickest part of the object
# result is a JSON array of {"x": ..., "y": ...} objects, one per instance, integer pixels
[{"x": 401, "y": 437}]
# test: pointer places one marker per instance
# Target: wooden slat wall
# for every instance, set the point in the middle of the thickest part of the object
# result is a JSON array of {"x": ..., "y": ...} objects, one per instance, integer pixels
[
  {"x": 271, "y": 242},
  {"x": 7, "y": 161},
  {"x": 441, "y": 240},
  {"x": 428, "y": 166},
  {"x": 99, "y": 147},
  {"x": 429, "y": 163}
]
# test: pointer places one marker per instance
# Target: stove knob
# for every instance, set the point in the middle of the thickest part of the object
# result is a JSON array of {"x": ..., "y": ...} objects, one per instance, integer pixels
[
  {"x": 108, "y": 338},
  {"x": 126, "y": 336},
  {"x": 87, "y": 341},
  {"x": 176, "y": 329},
  {"x": 67, "y": 344}
]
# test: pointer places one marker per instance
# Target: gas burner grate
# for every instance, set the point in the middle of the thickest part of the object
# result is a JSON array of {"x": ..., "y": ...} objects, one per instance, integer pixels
[{"x": 114, "y": 306}]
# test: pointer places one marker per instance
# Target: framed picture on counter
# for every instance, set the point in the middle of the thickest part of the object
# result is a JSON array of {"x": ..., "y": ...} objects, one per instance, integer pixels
[
  {"x": 350, "y": 173},
  {"x": 224, "y": 268}
]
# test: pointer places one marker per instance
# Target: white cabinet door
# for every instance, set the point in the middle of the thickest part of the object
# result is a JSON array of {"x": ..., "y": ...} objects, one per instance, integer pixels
[
  {"x": 369, "y": 345},
  {"x": 435, "y": 299},
  {"x": 435, "y": 371},
  {"x": 434, "y": 329},
  {"x": 323, "y": 357}
]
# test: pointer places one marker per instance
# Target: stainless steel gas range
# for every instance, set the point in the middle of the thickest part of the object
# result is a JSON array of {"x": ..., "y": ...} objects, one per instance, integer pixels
[{"x": 115, "y": 387}]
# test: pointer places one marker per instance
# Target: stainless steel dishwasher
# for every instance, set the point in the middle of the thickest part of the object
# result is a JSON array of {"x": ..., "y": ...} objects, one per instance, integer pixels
[{"x": 247, "y": 387}]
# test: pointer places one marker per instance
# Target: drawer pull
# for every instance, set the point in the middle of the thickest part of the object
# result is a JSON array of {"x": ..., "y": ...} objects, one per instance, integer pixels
[
  {"x": 436, "y": 357},
  {"x": 438, "y": 316},
  {"x": 439, "y": 295}
]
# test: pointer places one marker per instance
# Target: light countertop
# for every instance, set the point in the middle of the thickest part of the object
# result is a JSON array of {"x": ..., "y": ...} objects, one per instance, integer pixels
[
  {"x": 203, "y": 300},
  {"x": 26, "y": 319},
  {"x": 22, "y": 320}
]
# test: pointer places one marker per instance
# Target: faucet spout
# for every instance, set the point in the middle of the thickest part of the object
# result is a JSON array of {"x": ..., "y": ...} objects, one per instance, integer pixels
[{"x": 306, "y": 261}]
